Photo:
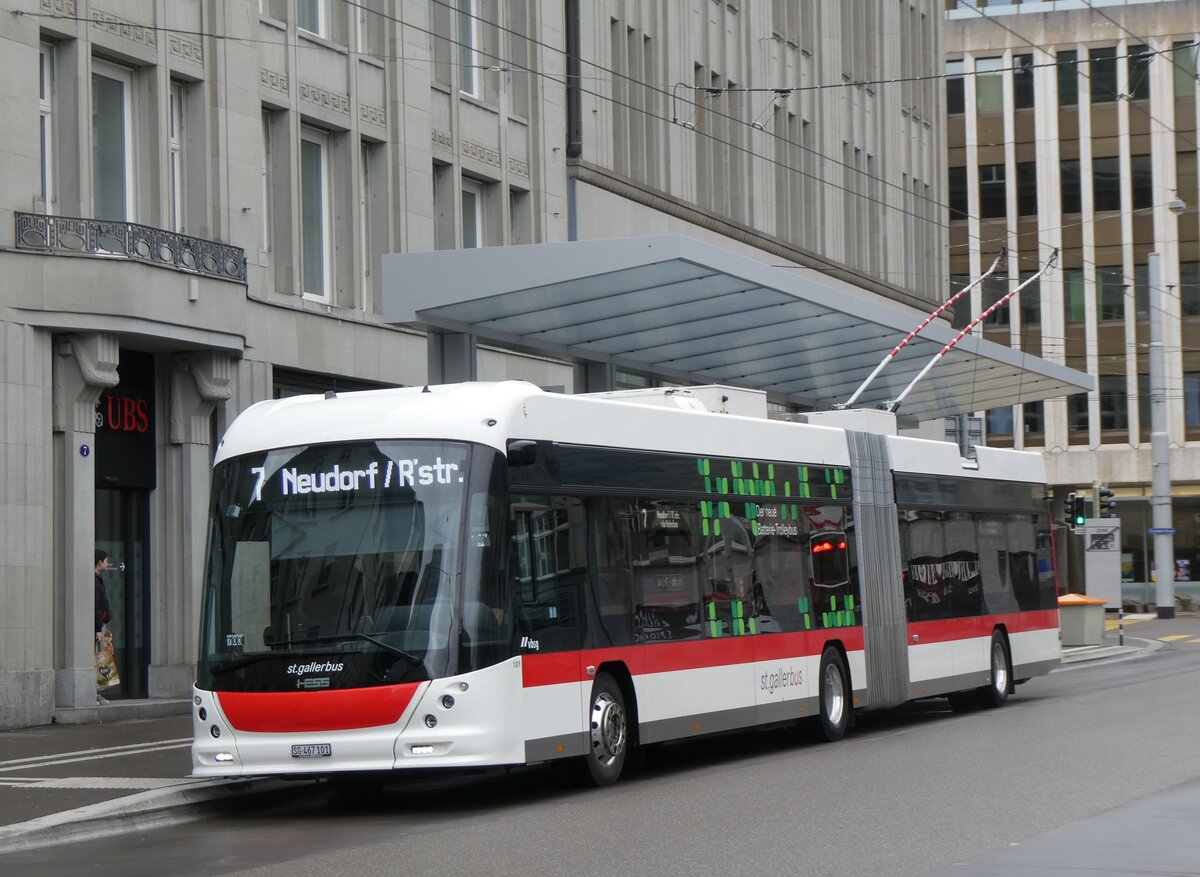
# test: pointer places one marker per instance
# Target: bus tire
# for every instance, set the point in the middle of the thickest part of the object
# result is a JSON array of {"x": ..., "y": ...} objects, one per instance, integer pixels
[
  {"x": 834, "y": 685},
  {"x": 608, "y": 733},
  {"x": 995, "y": 693}
]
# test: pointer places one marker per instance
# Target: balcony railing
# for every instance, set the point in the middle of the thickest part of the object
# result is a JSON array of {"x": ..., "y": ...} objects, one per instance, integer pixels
[{"x": 104, "y": 238}]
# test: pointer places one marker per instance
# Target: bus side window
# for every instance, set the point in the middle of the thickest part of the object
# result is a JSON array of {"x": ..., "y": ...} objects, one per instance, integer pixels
[
  {"x": 612, "y": 581},
  {"x": 549, "y": 566},
  {"x": 665, "y": 559},
  {"x": 730, "y": 604},
  {"x": 923, "y": 552},
  {"x": 834, "y": 598},
  {"x": 783, "y": 601}
]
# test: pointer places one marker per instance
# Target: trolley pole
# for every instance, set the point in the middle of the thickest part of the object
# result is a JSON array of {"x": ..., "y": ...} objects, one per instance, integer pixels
[{"x": 1162, "y": 521}]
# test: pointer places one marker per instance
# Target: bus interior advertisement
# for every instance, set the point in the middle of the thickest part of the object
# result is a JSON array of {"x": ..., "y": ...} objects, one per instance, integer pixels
[{"x": 339, "y": 566}]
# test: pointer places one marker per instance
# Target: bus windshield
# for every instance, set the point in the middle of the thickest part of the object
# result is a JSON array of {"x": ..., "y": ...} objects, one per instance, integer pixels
[{"x": 342, "y": 565}]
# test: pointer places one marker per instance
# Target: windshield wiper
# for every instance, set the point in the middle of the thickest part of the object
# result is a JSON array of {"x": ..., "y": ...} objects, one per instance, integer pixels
[{"x": 343, "y": 637}]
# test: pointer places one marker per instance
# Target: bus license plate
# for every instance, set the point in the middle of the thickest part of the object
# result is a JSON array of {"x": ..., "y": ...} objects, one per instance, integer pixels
[{"x": 312, "y": 750}]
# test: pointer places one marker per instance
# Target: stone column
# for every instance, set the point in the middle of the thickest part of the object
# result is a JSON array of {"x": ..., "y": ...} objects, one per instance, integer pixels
[
  {"x": 84, "y": 366},
  {"x": 452, "y": 357},
  {"x": 198, "y": 383}
]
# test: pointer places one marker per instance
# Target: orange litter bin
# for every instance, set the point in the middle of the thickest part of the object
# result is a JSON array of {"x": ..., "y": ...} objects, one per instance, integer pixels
[{"x": 1081, "y": 619}]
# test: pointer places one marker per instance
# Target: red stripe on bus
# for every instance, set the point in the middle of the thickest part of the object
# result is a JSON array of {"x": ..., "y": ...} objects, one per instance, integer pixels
[
  {"x": 667, "y": 657},
  {"x": 335, "y": 710},
  {"x": 565, "y": 667},
  {"x": 952, "y": 629}
]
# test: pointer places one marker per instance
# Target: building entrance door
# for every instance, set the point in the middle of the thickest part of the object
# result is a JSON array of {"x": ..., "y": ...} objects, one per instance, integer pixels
[{"x": 122, "y": 529}]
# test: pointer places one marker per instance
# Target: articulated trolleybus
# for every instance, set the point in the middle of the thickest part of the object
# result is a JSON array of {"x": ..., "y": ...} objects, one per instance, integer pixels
[{"x": 480, "y": 575}]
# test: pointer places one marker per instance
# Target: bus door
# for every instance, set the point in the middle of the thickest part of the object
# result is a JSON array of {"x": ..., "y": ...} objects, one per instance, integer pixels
[{"x": 548, "y": 562}]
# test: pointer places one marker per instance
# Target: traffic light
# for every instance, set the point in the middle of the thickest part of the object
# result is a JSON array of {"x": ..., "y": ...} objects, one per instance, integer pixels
[
  {"x": 1075, "y": 509},
  {"x": 1105, "y": 504}
]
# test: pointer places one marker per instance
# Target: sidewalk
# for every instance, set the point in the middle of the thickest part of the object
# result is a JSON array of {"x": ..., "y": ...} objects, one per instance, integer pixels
[{"x": 127, "y": 767}]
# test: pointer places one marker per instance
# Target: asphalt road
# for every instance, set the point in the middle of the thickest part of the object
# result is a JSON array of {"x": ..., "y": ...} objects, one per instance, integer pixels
[{"x": 908, "y": 792}]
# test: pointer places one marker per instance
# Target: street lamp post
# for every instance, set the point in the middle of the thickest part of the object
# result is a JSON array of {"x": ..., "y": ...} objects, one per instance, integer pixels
[{"x": 1160, "y": 500}]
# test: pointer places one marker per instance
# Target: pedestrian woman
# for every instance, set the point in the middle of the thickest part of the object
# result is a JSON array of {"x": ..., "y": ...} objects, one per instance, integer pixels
[{"x": 103, "y": 614}]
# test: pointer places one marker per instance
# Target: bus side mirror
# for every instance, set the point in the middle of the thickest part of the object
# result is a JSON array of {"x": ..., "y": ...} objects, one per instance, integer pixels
[{"x": 521, "y": 452}]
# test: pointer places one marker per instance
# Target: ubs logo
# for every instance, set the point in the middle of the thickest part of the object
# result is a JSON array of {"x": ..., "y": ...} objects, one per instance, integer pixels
[{"x": 123, "y": 414}]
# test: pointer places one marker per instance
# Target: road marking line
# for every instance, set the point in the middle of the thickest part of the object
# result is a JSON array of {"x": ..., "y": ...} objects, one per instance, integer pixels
[
  {"x": 114, "y": 782},
  {"x": 1113, "y": 625},
  {"x": 50, "y": 761},
  {"x": 117, "y": 749},
  {"x": 1173, "y": 637}
]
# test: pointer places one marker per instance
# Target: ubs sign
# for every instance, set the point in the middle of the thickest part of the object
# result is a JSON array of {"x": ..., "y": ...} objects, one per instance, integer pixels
[{"x": 125, "y": 426}]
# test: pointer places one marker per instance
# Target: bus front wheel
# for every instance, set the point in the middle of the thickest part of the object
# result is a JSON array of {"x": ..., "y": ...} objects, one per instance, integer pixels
[{"x": 608, "y": 732}]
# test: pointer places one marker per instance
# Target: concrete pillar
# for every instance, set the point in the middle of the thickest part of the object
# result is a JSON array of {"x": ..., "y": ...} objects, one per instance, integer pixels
[
  {"x": 198, "y": 382},
  {"x": 84, "y": 366},
  {"x": 452, "y": 357},
  {"x": 594, "y": 377}
]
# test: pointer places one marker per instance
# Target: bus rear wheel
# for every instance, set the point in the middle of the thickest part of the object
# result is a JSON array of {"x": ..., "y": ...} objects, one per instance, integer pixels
[
  {"x": 834, "y": 685},
  {"x": 608, "y": 733},
  {"x": 995, "y": 693}
]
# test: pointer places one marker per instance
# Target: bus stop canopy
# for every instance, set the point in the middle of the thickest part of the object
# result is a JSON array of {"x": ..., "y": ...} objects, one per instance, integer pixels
[{"x": 693, "y": 313}]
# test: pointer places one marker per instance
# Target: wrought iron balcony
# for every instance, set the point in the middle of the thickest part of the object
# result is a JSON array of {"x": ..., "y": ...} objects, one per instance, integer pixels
[{"x": 104, "y": 238}]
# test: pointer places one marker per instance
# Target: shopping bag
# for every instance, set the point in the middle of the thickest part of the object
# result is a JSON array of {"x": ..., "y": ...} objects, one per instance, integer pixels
[{"x": 106, "y": 662}]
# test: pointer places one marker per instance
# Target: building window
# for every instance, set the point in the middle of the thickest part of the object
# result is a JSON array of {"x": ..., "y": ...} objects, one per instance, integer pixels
[
  {"x": 962, "y": 310},
  {"x": 1189, "y": 289},
  {"x": 1030, "y": 301},
  {"x": 468, "y": 45},
  {"x": 1022, "y": 81},
  {"x": 175, "y": 184},
  {"x": 1114, "y": 402},
  {"x": 1027, "y": 204},
  {"x": 958, "y": 192},
  {"x": 1137, "y": 72},
  {"x": 112, "y": 142},
  {"x": 472, "y": 214},
  {"x": 955, "y": 101},
  {"x": 1102, "y": 69},
  {"x": 267, "y": 229},
  {"x": 1186, "y": 179},
  {"x": 1143, "y": 182},
  {"x": 992, "y": 194},
  {"x": 995, "y": 288},
  {"x": 1106, "y": 184},
  {"x": 1072, "y": 193},
  {"x": 312, "y": 16},
  {"x": 1035, "y": 417},
  {"x": 316, "y": 232},
  {"x": 1184, "y": 58},
  {"x": 1000, "y": 421},
  {"x": 367, "y": 153},
  {"x": 520, "y": 217},
  {"x": 1141, "y": 290},
  {"x": 989, "y": 85},
  {"x": 1068, "y": 79},
  {"x": 1143, "y": 403},
  {"x": 1074, "y": 309},
  {"x": 1110, "y": 293},
  {"x": 1077, "y": 412},
  {"x": 46, "y": 122},
  {"x": 1191, "y": 399}
]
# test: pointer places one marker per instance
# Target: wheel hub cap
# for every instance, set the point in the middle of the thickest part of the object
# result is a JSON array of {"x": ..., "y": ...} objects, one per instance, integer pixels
[{"x": 608, "y": 729}]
